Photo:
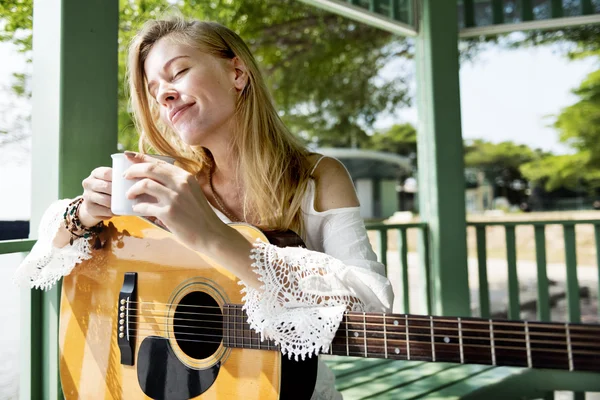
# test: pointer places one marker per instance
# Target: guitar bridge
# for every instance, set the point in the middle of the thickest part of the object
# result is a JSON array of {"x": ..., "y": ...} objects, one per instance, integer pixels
[{"x": 127, "y": 317}]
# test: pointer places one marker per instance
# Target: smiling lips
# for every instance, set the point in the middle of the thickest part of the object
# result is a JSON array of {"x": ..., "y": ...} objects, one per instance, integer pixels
[{"x": 177, "y": 111}]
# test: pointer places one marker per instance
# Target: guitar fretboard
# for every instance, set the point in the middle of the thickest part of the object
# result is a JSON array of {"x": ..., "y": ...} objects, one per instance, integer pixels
[
  {"x": 469, "y": 341},
  {"x": 237, "y": 332},
  {"x": 573, "y": 347}
]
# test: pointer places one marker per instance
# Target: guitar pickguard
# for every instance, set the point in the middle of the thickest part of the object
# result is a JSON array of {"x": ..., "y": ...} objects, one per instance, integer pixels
[{"x": 162, "y": 375}]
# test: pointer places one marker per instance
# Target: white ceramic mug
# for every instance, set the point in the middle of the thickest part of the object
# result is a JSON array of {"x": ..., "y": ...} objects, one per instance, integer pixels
[{"x": 119, "y": 204}]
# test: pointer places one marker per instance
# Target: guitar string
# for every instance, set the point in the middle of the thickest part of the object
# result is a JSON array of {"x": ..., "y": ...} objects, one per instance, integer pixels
[
  {"x": 348, "y": 352},
  {"x": 536, "y": 324},
  {"x": 399, "y": 327},
  {"x": 440, "y": 336},
  {"x": 359, "y": 343}
]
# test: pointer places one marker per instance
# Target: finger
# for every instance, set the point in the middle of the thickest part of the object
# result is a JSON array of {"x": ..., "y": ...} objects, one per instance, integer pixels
[
  {"x": 99, "y": 211},
  {"x": 163, "y": 173},
  {"x": 104, "y": 173},
  {"x": 148, "y": 187},
  {"x": 98, "y": 185},
  {"x": 98, "y": 198},
  {"x": 147, "y": 209},
  {"x": 142, "y": 158}
]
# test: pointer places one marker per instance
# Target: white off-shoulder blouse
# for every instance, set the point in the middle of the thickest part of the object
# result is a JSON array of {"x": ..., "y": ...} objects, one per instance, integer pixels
[{"x": 304, "y": 289}]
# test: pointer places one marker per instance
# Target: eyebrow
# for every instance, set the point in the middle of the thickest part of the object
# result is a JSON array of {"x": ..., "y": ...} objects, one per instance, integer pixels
[{"x": 164, "y": 68}]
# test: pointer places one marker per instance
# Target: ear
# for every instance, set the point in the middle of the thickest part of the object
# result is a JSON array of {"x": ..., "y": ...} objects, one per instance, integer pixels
[{"x": 240, "y": 77}]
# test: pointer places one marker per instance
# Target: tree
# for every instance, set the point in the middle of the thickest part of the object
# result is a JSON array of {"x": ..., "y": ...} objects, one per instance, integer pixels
[
  {"x": 322, "y": 68},
  {"x": 501, "y": 163},
  {"x": 400, "y": 139},
  {"x": 579, "y": 128}
]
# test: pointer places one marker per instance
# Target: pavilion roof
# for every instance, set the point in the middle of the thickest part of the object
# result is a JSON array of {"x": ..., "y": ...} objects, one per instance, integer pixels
[{"x": 475, "y": 17}]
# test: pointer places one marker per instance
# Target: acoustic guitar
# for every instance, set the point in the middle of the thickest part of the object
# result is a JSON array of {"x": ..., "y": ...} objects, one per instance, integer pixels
[{"x": 146, "y": 317}]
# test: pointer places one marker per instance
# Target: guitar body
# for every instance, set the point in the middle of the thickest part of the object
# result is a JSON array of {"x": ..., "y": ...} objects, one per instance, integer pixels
[{"x": 170, "y": 279}]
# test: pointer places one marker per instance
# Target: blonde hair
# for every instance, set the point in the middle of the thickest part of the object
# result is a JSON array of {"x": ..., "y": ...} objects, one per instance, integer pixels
[{"x": 273, "y": 166}]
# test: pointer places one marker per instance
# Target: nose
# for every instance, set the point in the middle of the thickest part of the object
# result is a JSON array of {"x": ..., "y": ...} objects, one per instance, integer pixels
[{"x": 167, "y": 94}]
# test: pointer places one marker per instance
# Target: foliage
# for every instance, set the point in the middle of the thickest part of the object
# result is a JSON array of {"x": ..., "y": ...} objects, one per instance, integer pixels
[
  {"x": 577, "y": 124},
  {"x": 400, "y": 139},
  {"x": 500, "y": 163},
  {"x": 321, "y": 68}
]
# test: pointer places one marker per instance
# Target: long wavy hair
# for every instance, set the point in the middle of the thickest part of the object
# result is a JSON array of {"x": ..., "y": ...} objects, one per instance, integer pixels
[{"x": 273, "y": 166}]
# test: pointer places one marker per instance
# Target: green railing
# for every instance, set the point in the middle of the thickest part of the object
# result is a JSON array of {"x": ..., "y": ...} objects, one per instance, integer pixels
[
  {"x": 570, "y": 257},
  {"x": 16, "y": 246},
  {"x": 510, "y": 237},
  {"x": 381, "y": 247}
]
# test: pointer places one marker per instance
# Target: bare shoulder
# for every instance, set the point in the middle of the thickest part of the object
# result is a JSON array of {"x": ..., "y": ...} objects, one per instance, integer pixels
[{"x": 333, "y": 185}]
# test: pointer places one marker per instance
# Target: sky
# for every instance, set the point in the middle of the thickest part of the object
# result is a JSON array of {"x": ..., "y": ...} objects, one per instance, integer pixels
[{"x": 505, "y": 95}]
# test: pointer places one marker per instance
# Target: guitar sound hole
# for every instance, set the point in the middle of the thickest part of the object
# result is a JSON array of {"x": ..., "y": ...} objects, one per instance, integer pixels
[{"x": 198, "y": 325}]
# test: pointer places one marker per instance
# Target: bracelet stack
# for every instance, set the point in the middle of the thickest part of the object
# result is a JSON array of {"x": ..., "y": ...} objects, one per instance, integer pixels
[{"x": 74, "y": 225}]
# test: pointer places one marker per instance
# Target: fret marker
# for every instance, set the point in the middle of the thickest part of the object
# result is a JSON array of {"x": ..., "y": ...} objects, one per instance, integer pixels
[
  {"x": 528, "y": 344},
  {"x": 446, "y": 339},
  {"x": 396, "y": 322},
  {"x": 355, "y": 334},
  {"x": 460, "y": 342},
  {"x": 397, "y": 350}
]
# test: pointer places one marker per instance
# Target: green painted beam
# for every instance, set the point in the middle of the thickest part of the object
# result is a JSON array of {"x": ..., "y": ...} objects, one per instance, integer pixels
[
  {"x": 403, "y": 252},
  {"x": 425, "y": 388},
  {"x": 514, "y": 306},
  {"x": 484, "y": 293},
  {"x": 597, "y": 239},
  {"x": 543, "y": 311},
  {"x": 440, "y": 156},
  {"x": 382, "y": 244},
  {"x": 469, "y": 13},
  {"x": 573, "y": 297},
  {"x": 556, "y": 8},
  {"x": 563, "y": 222},
  {"x": 587, "y": 7},
  {"x": 16, "y": 246},
  {"x": 425, "y": 267},
  {"x": 526, "y": 10},
  {"x": 354, "y": 11},
  {"x": 497, "y": 12},
  {"x": 74, "y": 130}
]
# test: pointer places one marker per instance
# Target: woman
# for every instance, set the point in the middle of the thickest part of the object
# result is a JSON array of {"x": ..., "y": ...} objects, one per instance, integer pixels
[{"x": 198, "y": 96}]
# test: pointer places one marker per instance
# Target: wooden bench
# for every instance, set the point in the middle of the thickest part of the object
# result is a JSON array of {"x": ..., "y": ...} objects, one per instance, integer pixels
[{"x": 361, "y": 378}]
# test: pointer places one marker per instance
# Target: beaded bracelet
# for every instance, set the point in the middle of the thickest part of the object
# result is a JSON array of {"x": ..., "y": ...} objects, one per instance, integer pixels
[{"x": 74, "y": 225}]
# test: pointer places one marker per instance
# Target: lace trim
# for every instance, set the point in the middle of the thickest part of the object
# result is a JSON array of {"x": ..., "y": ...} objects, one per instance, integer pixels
[
  {"x": 46, "y": 264},
  {"x": 302, "y": 300}
]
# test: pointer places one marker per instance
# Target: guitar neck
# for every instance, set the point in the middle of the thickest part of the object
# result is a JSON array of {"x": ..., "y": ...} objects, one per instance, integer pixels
[
  {"x": 469, "y": 341},
  {"x": 573, "y": 347}
]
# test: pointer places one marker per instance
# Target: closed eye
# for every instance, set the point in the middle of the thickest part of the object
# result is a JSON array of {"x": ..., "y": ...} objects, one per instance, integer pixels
[{"x": 178, "y": 74}]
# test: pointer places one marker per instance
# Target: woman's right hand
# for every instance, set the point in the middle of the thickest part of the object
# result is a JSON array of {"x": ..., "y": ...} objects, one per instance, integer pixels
[{"x": 97, "y": 190}]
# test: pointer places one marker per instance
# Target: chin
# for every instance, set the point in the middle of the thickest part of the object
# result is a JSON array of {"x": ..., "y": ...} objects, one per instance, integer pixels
[{"x": 191, "y": 138}]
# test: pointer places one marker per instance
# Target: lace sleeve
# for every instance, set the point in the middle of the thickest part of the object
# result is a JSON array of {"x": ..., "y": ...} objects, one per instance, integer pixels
[
  {"x": 46, "y": 264},
  {"x": 305, "y": 293}
]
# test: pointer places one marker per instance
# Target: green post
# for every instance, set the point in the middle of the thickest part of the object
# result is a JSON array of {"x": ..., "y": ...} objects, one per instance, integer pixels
[
  {"x": 74, "y": 130},
  {"x": 484, "y": 292},
  {"x": 440, "y": 148},
  {"x": 514, "y": 305}
]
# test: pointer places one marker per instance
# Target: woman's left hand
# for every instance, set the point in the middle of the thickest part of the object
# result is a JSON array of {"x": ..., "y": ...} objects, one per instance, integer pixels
[{"x": 174, "y": 196}]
